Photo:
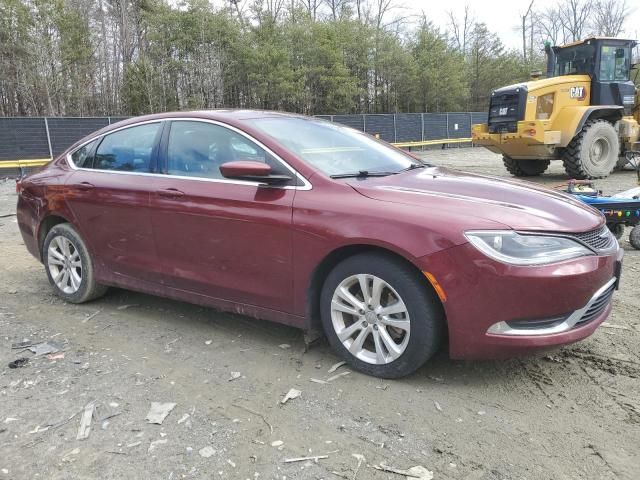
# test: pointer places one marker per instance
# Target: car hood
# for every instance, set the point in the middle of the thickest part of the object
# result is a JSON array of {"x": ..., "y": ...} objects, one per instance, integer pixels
[{"x": 515, "y": 204}]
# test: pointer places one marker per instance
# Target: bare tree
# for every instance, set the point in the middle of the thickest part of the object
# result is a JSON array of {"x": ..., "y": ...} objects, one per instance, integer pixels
[
  {"x": 524, "y": 31},
  {"x": 461, "y": 28},
  {"x": 574, "y": 16},
  {"x": 548, "y": 26},
  {"x": 609, "y": 17},
  {"x": 311, "y": 6},
  {"x": 336, "y": 7}
]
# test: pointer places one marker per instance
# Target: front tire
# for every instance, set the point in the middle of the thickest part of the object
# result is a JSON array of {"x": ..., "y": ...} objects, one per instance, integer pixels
[
  {"x": 525, "y": 168},
  {"x": 593, "y": 153},
  {"x": 380, "y": 315},
  {"x": 69, "y": 266}
]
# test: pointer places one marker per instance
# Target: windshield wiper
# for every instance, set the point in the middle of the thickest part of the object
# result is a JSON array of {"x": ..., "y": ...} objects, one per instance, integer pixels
[
  {"x": 414, "y": 166},
  {"x": 362, "y": 174}
]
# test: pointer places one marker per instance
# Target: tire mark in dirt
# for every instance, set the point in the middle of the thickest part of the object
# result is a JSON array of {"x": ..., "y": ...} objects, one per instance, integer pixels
[{"x": 538, "y": 377}]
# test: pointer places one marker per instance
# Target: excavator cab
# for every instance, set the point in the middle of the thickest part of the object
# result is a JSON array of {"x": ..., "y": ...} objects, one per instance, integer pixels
[{"x": 608, "y": 63}]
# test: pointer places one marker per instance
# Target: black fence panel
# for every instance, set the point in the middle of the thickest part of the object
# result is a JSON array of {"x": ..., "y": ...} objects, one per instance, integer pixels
[
  {"x": 435, "y": 126},
  {"x": 353, "y": 121},
  {"x": 65, "y": 132},
  {"x": 382, "y": 125},
  {"x": 479, "y": 117},
  {"x": 459, "y": 125},
  {"x": 23, "y": 138},
  {"x": 117, "y": 119},
  {"x": 408, "y": 127}
]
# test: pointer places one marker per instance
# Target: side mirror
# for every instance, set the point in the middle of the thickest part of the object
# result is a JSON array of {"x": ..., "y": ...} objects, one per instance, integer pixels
[{"x": 252, "y": 171}]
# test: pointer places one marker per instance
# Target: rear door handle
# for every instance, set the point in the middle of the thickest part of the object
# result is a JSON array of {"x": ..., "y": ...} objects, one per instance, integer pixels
[
  {"x": 170, "y": 193},
  {"x": 84, "y": 186}
]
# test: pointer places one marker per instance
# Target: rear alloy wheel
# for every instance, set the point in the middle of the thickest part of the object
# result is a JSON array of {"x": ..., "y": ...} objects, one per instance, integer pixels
[
  {"x": 380, "y": 315},
  {"x": 593, "y": 153},
  {"x": 525, "y": 168},
  {"x": 69, "y": 266}
]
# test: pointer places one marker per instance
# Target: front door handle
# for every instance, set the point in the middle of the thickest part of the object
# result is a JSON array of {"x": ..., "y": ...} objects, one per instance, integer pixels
[
  {"x": 170, "y": 193},
  {"x": 84, "y": 186}
]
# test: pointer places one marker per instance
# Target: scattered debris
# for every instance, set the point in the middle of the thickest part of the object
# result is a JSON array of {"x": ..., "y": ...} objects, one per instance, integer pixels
[
  {"x": 85, "y": 421},
  {"x": 336, "y": 366},
  {"x": 277, "y": 443},
  {"x": 184, "y": 418},
  {"x": 124, "y": 307},
  {"x": 230, "y": 462},
  {"x": 315, "y": 380},
  {"x": 21, "y": 345},
  {"x": 315, "y": 458},
  {"x": 291, "y": 394},
  {"x": 617, "y": 327},
  {"x": 11, "y": 419},
  {"x": 482, "y": 412},
  {"x": 155, "y": 443},
  {"x": 134, "y": 444},
  {"x": 45, "y": 348},
  {"x": 418, "y": 471},
  {"x": 93, "y": 315},
  {"x": 57, "y": 356},
  {"x": 234, "y": 376},
  {"x": 158, "y": 412},
  {"x": 19, "y": 362},
  {"x": 208, "y": 342},
  {"x": 207, "y": 452},
  {"x": 360, "y": 459},
  {"x": 257, "y": 414},
  {"x": 284, "y": 346},
  {"x": 438, "y": 407},
  {"x": 335, "y": 377}
]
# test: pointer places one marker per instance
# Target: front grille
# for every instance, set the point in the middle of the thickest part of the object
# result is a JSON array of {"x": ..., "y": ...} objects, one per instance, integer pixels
[
  {"x": 598, "y": 239},
  {"x": 597, "y": 307},
  {"x": 506, "y": 108}
]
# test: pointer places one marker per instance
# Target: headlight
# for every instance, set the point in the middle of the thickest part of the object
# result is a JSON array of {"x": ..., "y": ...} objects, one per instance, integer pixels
[
  {"x": 520, "y": 249},
  {"x": 544, "y": 107}
]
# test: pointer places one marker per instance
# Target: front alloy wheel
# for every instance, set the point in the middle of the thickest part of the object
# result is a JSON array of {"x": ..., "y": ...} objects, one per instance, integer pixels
[
  {"x": 370, "y": 319},
  {"x": 380, "y": 314}
]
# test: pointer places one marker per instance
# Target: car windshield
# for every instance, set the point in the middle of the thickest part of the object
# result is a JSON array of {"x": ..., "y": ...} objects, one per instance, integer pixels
[{"x": 334, "y": 149}]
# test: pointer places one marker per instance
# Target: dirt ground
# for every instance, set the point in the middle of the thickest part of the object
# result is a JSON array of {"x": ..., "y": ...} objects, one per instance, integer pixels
[{"x": 570, "y": 414}]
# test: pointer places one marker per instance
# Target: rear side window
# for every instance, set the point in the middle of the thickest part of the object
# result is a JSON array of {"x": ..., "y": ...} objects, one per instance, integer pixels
[
  {"x": 127, "y": 150},
  {"x": 83, "y": 157}
]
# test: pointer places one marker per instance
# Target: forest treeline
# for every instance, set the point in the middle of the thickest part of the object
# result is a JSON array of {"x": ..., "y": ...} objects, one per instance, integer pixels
[{"x": 128, "y": 57}]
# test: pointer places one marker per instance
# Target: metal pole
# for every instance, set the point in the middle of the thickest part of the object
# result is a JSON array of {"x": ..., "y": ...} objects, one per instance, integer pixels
[
  {"x": 364, "y": 123},
  {"x": 395, "y": 132},
  {"x": 109, "y": 120},
  {"x": 46, "y": 126}
]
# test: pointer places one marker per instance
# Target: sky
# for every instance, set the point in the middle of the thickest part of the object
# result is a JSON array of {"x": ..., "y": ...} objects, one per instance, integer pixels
[{"x": 503, "y": 16}]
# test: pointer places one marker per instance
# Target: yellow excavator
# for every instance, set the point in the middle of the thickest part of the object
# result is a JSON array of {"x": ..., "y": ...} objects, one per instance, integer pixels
[{"x": 586, "y": 112}]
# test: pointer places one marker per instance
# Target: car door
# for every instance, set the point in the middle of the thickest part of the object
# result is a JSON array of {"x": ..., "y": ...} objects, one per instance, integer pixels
[
  {"x": 226, "y": 239},
  {"x": 108, "y": 194}
]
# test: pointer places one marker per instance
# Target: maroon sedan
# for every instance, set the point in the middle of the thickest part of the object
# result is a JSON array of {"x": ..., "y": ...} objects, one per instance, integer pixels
[{"x": 312, "y": 224}]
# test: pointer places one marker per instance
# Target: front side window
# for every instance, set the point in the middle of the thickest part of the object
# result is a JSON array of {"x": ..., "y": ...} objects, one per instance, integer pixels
[
  {"x": 197, "y": 149},
  {"x": 83, "y": 157},
  {"x": 127, "y": 150},
  {"x": 614, "y": 64}
]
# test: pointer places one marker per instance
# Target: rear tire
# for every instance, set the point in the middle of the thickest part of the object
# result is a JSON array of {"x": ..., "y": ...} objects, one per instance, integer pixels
[
  {"x": 593, "y": 153},
  {"x": 69, "y": 266},
  {"x": 525, "y": 168},
  {"x": 617, "y": 230},
  {"x": 362, "y": 333},
  {"x": 634, "y": 237}
]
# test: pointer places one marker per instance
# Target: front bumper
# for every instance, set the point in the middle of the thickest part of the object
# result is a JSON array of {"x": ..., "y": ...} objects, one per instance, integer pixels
[
  {"x": 531, "y": 140},
  {"x": 489, "y": 304}
]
